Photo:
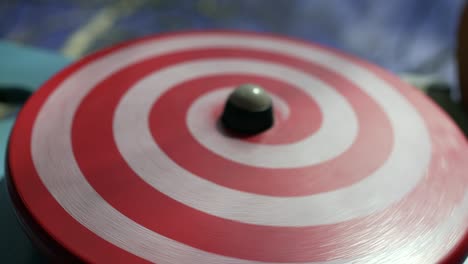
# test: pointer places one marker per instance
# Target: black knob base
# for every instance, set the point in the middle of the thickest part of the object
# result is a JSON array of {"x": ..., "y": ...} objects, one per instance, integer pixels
[{"x": 246, "y": 122}]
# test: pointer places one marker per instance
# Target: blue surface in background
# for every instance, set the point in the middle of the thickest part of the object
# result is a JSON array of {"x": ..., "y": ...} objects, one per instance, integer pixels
[{"x": 403, "y": 36}]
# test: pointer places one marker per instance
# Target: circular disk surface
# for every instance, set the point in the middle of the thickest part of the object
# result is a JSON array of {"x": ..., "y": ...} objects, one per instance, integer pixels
[{"x": 121, "y": 158}]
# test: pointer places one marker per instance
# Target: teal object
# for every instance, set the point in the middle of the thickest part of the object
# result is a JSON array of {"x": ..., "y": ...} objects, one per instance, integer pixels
[{"x": 24, "y": 67}]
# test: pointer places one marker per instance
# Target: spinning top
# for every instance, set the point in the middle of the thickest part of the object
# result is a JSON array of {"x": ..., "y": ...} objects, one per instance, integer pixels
[{"x": 119, "y": 158}]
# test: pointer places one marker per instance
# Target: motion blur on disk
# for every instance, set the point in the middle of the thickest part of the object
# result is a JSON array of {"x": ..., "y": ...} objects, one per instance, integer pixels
[{"x": 233, "y": 132}]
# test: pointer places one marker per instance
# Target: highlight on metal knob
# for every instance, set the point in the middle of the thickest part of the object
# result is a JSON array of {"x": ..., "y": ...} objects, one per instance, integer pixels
[{"x": 248, "y": 110}]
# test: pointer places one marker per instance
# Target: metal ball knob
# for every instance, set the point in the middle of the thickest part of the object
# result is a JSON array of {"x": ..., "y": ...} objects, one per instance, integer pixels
[{"x": 248, "y": 110}]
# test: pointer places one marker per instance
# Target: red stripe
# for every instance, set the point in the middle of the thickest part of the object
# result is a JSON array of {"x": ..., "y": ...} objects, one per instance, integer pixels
[
  {"x": 304, "y": 113},
  {"x": 440, "y": 124},
  {"x": 44, "y": 209},
  {"x": 171, "y": 132}
]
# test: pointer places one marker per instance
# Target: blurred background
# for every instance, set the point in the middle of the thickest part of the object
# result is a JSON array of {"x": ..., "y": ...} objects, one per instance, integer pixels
[
  {"x": 414, "y": 39},
  {"x": 407, "y": 37}
]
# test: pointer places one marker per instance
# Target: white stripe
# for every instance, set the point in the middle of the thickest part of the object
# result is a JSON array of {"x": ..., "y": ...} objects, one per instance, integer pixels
[
  {"x": 388, "y": 184},
  {"x": 337, "y": 133},
  {"x": 57, "y": 167}
]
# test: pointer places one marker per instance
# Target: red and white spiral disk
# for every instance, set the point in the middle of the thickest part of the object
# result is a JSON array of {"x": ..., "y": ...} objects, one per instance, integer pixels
[{"x": 120, "y": 158}]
